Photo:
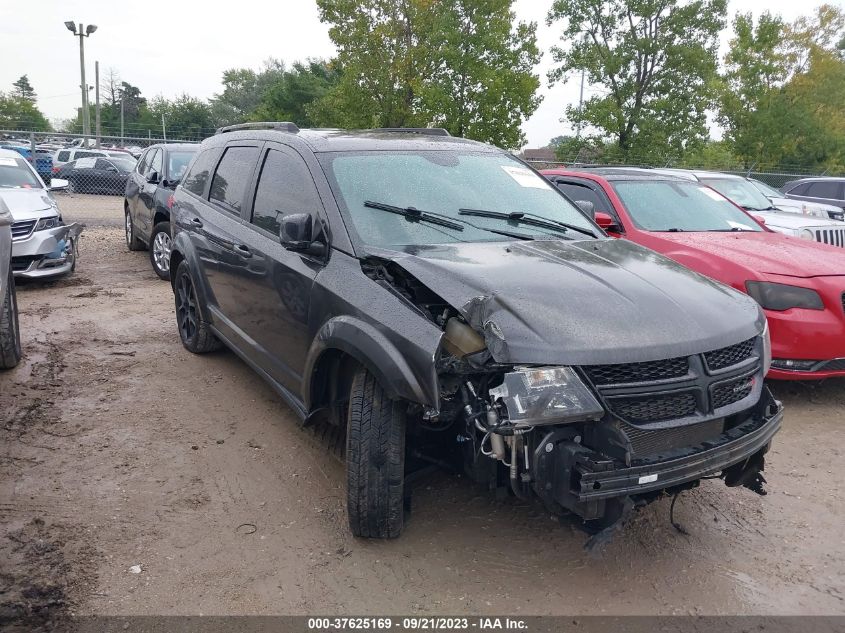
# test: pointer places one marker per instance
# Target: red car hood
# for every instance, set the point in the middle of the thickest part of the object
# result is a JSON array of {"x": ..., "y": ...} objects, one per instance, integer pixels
[{"x": 771, "y": 253}]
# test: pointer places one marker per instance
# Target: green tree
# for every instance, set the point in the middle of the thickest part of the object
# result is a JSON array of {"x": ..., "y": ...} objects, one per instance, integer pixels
[
  {"x": 290, "y": 96},
  {"x": 186, "y": 118},
  {"x": 17, "y": 113},
  {"x": 23, "y": 89},
  {"x": 655, "y": 62},
  {"x": 244, "y": 90},
  {"x": 463, "y": 65}
]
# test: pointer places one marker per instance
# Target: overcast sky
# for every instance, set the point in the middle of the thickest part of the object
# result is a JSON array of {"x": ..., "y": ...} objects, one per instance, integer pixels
[{"x": 175, "y": 46}]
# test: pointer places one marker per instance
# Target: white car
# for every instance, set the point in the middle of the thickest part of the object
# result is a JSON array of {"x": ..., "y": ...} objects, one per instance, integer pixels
[
  {"x": 42, "y": 244},
  {"x": 63, "y": 156},
  {"x": 801, "y": 207},
  {"x": 749, "y": 197}
]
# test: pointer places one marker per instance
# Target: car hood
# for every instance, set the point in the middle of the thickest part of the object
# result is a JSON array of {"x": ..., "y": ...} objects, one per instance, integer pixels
[
  {"x": 26, "y": 204},
  {"x": 771, "y": 253},
  {"x": 793, "y": 221},
  {"x": 581, "y": 302}
]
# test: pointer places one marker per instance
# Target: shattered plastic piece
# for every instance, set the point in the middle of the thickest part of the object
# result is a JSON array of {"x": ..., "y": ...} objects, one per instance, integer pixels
[{"x": 135, "y": 569}]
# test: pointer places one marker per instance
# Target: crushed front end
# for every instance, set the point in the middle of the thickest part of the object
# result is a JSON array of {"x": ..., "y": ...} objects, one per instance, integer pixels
[
  {"x": 44, "y": 247},
  {"x": 592, "y": 440}
]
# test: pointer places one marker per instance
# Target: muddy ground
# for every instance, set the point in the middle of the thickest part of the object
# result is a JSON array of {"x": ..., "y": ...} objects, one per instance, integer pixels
[{"x": 120, "y": 452}]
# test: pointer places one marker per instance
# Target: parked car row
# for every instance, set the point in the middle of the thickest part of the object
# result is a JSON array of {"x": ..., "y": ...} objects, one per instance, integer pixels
[{"x": 426, "y": 295}]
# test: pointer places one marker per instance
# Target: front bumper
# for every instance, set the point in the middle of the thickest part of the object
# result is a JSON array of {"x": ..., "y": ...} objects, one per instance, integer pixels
[
  {"x": 46, "y": 253},
  {"x": 581, "y": 480}
]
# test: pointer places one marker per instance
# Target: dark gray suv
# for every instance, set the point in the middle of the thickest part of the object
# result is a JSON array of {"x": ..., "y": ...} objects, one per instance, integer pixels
[
  {"x": 822, "y": 190},
  {"x": 10, "y": 338},
  {"x": 436, "y": 300}
]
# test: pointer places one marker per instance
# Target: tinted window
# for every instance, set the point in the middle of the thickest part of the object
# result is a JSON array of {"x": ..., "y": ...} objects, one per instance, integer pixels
[
  {"x": 232, "y": 176},
  {"x": 156, "y": 162},
  {"x": 800, "y": 190},
  {"x": 102, "y": 163},
  {"x": 199, "y": 170},
  {"x": 63, "y": 156},
  {"x": 285, "y": 186},
  {"x": 84, "y": 154},
  {"x": 825, "y": 189},
  {"x": 580, "y": 192}
]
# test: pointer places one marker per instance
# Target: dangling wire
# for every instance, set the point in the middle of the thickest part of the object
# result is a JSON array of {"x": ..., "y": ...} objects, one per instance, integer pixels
[{"x": 674, "y": 523}]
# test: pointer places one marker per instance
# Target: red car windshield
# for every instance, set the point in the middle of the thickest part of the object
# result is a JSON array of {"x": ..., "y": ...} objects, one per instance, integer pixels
[
  {"x": 664, "y": 205},
  {"x": 14, "y": 174}
]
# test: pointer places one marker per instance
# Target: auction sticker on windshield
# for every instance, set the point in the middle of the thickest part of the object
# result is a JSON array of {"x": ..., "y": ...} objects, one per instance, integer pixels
[
  {"x": 525, "y": 177},
  {"x": 8, "y": 162}
]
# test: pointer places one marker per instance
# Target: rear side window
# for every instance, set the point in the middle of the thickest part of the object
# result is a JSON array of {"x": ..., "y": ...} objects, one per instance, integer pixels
[
  {"x": 63, "y": 156},
  {"x": 800, "y": 190},
  {"x": 577, "y": 192},
  {"x": 825, "y": 189},
  {"x": 285, "y": 186},
  {"x": 232, "y": 177},
  {"x": 84, "y": 154},
  {"x": 199, "y": 171},
  {"x": 102, "y": 163},
  {"x": 142, "y": 164}
]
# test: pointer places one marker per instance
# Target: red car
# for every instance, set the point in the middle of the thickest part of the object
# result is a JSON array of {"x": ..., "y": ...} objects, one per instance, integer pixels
[{"x": 800, "y": 284}]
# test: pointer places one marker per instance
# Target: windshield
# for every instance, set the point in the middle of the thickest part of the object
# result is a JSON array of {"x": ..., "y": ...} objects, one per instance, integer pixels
[
  {"x": 740, "y": 191},
  {"x": 766, "y": 190},
  {"x": 444, "y": 182},
  {"x": 680, "y": 206},
  {"x": 176, "y": 164},
  {"x": 15, "y": 174}
]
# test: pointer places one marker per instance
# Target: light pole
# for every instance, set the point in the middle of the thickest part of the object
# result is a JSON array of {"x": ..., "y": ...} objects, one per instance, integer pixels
[{"x": 82, "y": 33}]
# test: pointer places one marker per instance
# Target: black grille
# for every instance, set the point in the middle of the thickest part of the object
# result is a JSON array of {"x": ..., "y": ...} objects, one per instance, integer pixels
[
  {"x": 645, "y": 442},
  {"x": 837, "y": 364},
  {"x": 730, "y": 392},
  {"x": 638, "y": 372},
  {"x": 653, "y": 408},
  {"x": 21, "y": 230},
  {"x": 22, "y": 263},
  {"x": 727, "y": 356},
  {"x": 843, "y": 300}
]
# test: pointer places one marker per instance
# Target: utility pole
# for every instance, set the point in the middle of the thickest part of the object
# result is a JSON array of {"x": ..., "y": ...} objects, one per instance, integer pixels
[
  {"x": 86, "y": 114},
  {"x": 580, "y": 101},
  {"x": 163, "y": 130},
  {"x": 122, "y": 142},
  {"x": 97, "y": 100}
]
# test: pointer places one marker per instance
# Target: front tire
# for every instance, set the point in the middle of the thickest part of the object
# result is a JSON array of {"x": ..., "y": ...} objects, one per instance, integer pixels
[
  {"x": 160, "y": 246},
  {"x": 132, "y": 242},
  {"x": 195, "y": 333},
  {"x": 375, "y": 460},
  {"x": 10, "y": 336}
]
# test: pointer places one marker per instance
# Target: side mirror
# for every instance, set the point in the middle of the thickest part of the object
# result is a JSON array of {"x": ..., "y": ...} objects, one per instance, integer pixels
[
  {"x": 587, "y": 207},
  {"x": 152, "y": 178},
  {"x": 296, "y": 234},
  {"x": 606, "y": 221},
  {"x": 759, "y": 219},
  {"x": 57, "y": 184}
]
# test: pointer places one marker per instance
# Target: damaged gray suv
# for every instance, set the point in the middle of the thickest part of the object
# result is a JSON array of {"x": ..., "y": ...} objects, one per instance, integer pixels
[{"x": 437, "y": 301}]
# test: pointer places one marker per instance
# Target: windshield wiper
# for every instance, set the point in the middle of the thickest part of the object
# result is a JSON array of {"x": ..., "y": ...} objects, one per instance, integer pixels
[
  {"x": 412, "y": 214},
  {"x": 531, "y": 219},
  {"x": 415, "y": 215},
  {"x": 674, "y": 230}
]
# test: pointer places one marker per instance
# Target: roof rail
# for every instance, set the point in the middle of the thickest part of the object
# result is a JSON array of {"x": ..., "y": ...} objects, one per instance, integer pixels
[
  {"x": 427, "y": 131},
  {"x": 284, "y": 126}
]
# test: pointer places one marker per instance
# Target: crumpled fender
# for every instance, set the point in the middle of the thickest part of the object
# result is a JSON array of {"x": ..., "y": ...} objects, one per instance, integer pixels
[
  {"x": 375, "y": 351},
  {"x": 46, "y": 241}
]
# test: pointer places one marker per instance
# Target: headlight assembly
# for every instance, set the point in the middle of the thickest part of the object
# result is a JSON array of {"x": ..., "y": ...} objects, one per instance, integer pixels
[
  {"x": 772, "y": 296},
  {"x": 546, "y": 395},
  {"x": 767, "y": 349},
  {"x": 48, "y": 223},
  {"x": 806, "y": 234}
]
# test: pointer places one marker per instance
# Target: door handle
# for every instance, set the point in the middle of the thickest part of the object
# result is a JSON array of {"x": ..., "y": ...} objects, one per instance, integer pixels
[{"x": 243, "y": 251}]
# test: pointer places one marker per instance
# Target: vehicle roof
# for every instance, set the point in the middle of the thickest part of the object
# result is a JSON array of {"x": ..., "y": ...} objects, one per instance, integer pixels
[
  {"x": 172, "y": 146},
  {"x": 816, "y": 179},
  {"x": 333, "y": 140},
  {"x": 9, "y": 153},
  {"x": 620, "y": 173}
]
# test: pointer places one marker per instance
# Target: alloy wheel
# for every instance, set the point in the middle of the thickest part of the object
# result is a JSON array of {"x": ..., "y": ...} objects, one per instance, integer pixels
[
  {"x": 161, "y": 251},
  {"x": 128, "y": 227},
  {"x": 187, "y": 315}
]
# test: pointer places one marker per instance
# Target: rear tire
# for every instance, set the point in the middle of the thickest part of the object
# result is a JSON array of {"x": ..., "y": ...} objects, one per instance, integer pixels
[
  {"x": 195, "y": 333},
  {"x": 132, "y": 242},
  {"x": 375, "y": 460},
  {"x": 160, "y": 246},
  {"x": 10, "y": 336}
]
